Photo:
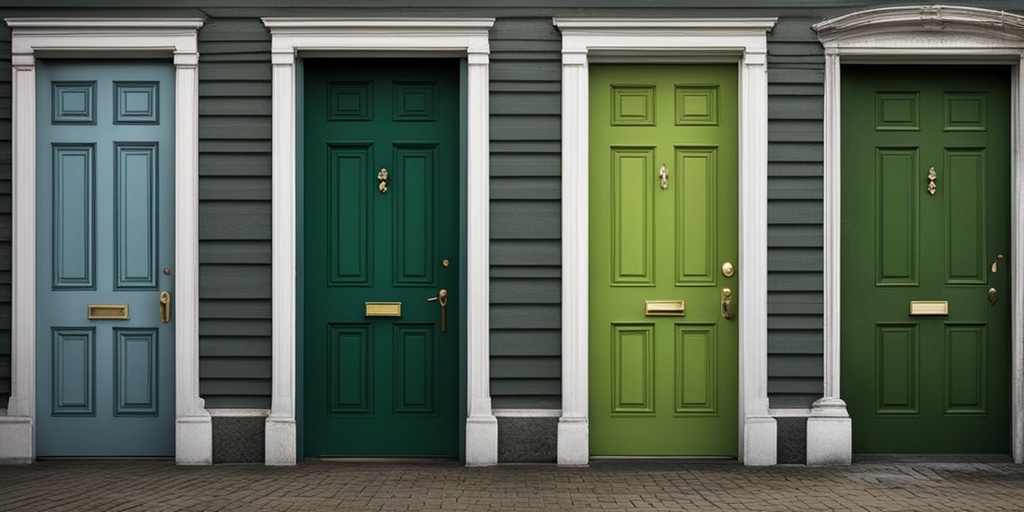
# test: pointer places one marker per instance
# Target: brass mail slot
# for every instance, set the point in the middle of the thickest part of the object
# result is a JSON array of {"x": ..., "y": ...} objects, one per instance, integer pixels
[
  {"x": 384, "y": 309},
  {"x": 929, "y": 308},
  {"x": 664, "y": 308},
  {"x": 107, "y": 311}
]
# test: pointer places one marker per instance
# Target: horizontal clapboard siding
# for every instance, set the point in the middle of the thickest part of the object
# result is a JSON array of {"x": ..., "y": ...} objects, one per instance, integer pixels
[
  {"x": 795, "y": 213},
  {"x": 525, "y": 214},
  {"x": 234, "y": 213}
]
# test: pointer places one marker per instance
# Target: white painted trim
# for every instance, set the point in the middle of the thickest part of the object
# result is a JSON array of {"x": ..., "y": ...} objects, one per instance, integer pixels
[
  {"x": 742, "y": 41},
  {"x": 420, "y": 37},
  {"x": 897, "y": 35},
  {"x": 83, "y": 38}
]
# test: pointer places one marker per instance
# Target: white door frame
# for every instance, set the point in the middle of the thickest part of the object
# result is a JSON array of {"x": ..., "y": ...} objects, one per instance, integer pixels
[
  {"x": 921, "y": 35},
  {"x": 741, "y": 41},
  {"x": 420, "y": 37},
  {"x": 95, "y": 38}
]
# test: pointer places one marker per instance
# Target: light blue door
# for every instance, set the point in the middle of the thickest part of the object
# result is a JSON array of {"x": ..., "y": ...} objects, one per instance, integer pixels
[{"x": 105, "y": 250}]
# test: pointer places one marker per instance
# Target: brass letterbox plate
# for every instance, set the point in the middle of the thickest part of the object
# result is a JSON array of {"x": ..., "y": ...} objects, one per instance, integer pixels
[
  {"x": 393, "y": 309},
  {"x": 107, "y": 311},
  {"x": 929, "y": 308},
  {"x": 664, "y": 308}
]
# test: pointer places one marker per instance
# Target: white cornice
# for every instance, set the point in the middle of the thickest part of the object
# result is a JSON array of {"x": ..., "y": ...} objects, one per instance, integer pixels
[
  {"x": 937, "y": 19},
  {"x": 647, "y": 24},
  {"x": 91, "y": 24},
  {"x": 445, "y": 25}
]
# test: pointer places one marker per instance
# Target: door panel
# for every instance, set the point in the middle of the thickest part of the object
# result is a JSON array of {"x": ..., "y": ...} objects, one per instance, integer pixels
[
  {"x": 380, "y": 225},
  {"x": 662, "y": 385},
  {"x": 934, "y": 383},
  {"x": 105, "y": 196}
]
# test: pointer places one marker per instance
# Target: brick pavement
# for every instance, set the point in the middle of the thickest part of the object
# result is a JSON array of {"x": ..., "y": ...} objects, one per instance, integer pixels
[{"x": 124, "y": 485}]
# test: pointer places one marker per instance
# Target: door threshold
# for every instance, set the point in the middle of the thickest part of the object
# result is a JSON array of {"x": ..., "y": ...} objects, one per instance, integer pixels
[
  {"x": 365, "y": 459},
  {"x": 702, "y": 459},
  {"x": 888, "y": 458},
  {"x": 103, "y": 457}
]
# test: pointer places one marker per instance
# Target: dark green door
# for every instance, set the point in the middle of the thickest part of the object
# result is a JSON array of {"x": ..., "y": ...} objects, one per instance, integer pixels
[
  {"x": 663, "y": 228},
  {"x": 925, "y": 263},
  {"x": 381, "y": 231}
]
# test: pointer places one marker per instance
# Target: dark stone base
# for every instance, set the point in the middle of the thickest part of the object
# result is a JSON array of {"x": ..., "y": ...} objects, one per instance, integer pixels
[
  {"x": 792, "y": 441},
  {"x": 527, "y": 440},
  {"x": 238, "y": 439}
]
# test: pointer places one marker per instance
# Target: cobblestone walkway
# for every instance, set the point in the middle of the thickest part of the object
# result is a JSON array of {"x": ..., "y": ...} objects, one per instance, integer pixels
[{"x": 120, "y": 485}]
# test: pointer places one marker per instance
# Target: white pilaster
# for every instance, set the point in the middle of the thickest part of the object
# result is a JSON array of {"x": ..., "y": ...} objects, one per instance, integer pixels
[
  {"x": 1017, "y": 265},
  {"x": 193, "y": 429},
  {"x": 481, "y": 425},
  {"x": 17, "y": 429},
  {"x": 280, "y": 435},
  {"x": 829, "y": 429},
  {"x": 759, "y": 446},
  {"x": 573, "y": 426}
]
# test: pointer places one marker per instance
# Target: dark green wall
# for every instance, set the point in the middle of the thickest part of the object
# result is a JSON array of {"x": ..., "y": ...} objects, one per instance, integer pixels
[{"x": 235, "y": 187}]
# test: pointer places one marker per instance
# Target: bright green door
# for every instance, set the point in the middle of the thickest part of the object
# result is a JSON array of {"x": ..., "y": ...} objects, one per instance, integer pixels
[
  {"x": 663, "y": 227},
  {"x": 925, "y": 258},
  {"x": 381, "y": 231}
]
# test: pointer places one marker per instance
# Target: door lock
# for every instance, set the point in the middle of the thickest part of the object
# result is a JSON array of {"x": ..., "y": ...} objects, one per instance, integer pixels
[
  {"x": 165, "y": 307},
  {"x": 442, "y": 300},
  {"x": 995, "y": 263},
  {"x": 728, "y": 309}
]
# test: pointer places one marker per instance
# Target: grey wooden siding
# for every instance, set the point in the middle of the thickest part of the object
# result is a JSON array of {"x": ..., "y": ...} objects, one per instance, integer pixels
[
  {"x": 796, "y": 74},
  {"x": 525, "y": 214},
  {"x": 234, "y": 213}
]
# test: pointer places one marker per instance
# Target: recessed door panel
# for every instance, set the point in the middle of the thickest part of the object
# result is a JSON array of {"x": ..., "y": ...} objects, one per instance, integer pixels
[
  {"x": 965, "y": 366},
  {"x": 137, "y": 379},
  {"x": 632, "y": 369},
  {"x": 965, "y": 216},
  {"x": 696, "y": 370},
  {"x": 897, "y": 376},
  {"x": 696, "y": 236},
  {"x": 415, "y": 213},
  {"x": 136, "y": 186},
  {"x": 350, "y": 369},
  {"x": 350, "y": 254},
  {"x": 897, "y": 225},
  {"x": 73, "y": 216},
  {"x": 632, "y": 215},
  {"x": 74, "y": 371}
]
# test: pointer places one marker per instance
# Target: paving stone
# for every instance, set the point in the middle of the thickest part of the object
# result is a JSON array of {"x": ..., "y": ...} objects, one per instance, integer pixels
[{"x": 127, "y": 485}]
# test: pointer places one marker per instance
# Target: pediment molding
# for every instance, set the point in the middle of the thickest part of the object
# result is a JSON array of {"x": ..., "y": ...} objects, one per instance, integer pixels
[{"x": 927, "y": 22}]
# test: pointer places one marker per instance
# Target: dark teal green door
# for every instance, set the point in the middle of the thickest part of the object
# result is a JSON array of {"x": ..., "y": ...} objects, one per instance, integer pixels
[
  {"x": 105, "y": 252},
  {"x": 925, "y": 258},
  {"x": 380, "y": 232}
]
